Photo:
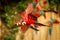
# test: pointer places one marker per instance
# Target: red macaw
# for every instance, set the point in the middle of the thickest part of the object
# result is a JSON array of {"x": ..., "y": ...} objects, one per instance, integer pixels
[{"x": 28, "y": 18}]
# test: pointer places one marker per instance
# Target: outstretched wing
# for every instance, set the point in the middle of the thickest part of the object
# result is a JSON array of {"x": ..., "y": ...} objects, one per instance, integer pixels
[{"x": 29, "y": 9}]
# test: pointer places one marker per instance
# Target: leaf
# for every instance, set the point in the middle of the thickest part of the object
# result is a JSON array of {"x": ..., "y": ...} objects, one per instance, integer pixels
[
  {"x": 9, "y": 38},
  {"x": 7, "y": 9},
  {"x": 5, "y": 16},
  {"x": 21, "y": 6},
  {"x": 46, "y": 0},
  {"x": 34, "y": 4},
  {"x": 9, "y": 25},
  {"x": 8, "y": 18},
  {"x": 15, "y": 30}
]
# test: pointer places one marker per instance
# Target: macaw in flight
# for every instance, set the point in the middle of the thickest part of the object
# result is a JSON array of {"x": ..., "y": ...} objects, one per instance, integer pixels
[{"x": 29, "y": 17}]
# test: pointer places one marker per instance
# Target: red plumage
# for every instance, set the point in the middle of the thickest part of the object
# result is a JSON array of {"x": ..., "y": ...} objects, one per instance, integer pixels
[
  {"x": 44, "y": 16},
  {"x": 27, "y": 18},
  {"x": 24, "y": 28},
  {"x": 45, "y": 3},
  {"x": 56, "y": 21},
  {"x": 36, "y": 1},
  {"x": 50, "y": 24},
  {"x": 37, "y": 8},
  {"x": 36, "y": 14}
]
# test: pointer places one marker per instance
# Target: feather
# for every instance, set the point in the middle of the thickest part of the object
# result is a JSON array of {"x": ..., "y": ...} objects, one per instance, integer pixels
[
  {"x": 29, "y": 9},
  {"x": 44, "y": 16},
  {"x": 56, "y": 21},
  {"x": 36, "y": 1},
  {"x": 24, "y": 29}
]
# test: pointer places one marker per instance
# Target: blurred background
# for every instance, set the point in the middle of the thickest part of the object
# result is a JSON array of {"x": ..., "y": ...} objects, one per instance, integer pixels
[{"x": 10, "y": 14}]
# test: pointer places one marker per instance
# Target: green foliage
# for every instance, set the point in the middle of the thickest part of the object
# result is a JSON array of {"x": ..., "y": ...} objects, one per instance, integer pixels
[
  {"x": 8, "y": 16},
  {"x": 15, "y": 30},
  {"x": 9, "y": 38},
  {"x": 9, "y": 25},
  {"x": 7, "y": 9},
  {"x": 21, "y": 6},
  {"x": 47, "y": 0},
  {"x": 8, "y": 19},
  {"x": 4, "y": 16},
  {"x": 54, "y": 2},
  {"x": 34, "y": 4}
]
